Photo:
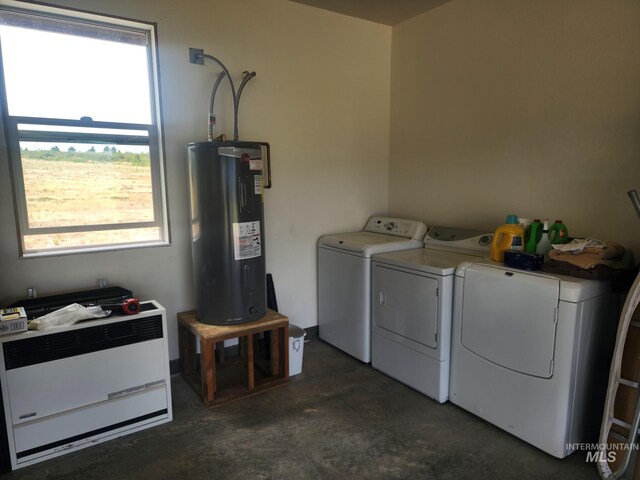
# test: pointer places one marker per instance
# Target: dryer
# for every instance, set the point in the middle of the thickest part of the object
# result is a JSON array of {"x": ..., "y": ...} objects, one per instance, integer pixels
[
  {"x": 531, "y": 352},
  {"x": 344, "y": 279},
  {"x": 412, "y": 308}
]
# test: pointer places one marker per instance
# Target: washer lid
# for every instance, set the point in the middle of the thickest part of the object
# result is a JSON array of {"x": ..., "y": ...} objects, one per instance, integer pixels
[
  {"x": 368, "y": 243},
  {"x": 436, "y": 262}
]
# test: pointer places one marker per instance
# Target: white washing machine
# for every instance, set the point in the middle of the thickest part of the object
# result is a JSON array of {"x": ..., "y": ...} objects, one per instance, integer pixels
[
  {"x": 531, "y": 352},
  {"x": 412, "y": 308},
  {"x": 344, "y": 279}
]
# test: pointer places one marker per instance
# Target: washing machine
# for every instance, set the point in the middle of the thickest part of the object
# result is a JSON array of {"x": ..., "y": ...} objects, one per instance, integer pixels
[
  {"x": 531, "y": 352},
  {"x": 344, "y": 279},
  {"x": 412, "y": 308}
]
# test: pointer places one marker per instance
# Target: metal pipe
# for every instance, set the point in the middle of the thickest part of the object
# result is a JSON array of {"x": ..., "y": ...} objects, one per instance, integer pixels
[
  {"x": 194, "y": 56},
  {"x": 221, "y": 75},
  {"x": 247, "y": 76},
  {"x": 233, "y": 92}
]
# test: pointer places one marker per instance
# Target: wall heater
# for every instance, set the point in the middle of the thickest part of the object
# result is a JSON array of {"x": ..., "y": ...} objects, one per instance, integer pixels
[{"x": 73, "y": 387}]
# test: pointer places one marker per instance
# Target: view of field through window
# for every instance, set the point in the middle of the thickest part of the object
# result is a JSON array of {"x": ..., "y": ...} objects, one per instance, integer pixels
[{"x": 67, "y": 187}]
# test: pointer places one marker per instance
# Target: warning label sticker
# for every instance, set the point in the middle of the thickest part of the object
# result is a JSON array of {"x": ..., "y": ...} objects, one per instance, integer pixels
[
  {"x": 257, "y": 184},
  {"x": 255, "y": 164},
  {"x": 246, "y": 240}
]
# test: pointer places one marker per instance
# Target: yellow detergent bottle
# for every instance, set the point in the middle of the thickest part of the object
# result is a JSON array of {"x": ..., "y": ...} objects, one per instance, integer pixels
[{"x": 509, "y": 236}]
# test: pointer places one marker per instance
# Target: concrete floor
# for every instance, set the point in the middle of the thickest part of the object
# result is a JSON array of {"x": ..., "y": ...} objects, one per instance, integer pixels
[{"x": 339, "y": 419}]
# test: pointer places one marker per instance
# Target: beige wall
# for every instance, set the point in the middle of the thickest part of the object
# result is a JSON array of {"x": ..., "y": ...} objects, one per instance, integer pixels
[
  {"x": 522, "y": 107},
  {"x": 321, "y": 98},
  {"x": 496, "y": 107}
]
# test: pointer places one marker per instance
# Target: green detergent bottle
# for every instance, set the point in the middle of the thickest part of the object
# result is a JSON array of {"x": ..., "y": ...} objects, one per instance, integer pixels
[
  {"x": 558, "y": 232},
  {"x": 535, "y": 234}
]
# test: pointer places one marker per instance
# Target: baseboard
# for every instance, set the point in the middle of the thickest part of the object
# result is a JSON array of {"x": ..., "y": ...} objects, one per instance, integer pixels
[{"x": 312, "y": 332}]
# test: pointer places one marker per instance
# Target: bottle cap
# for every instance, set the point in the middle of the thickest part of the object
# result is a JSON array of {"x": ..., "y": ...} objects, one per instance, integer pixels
[{"x": 512, "y": 219}]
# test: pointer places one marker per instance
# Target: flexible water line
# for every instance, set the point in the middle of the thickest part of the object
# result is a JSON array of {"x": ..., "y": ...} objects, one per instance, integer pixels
[
  {"x": 236, "y": 97},
  {"x": 212, "y": 122},
  {"x": 247, "y": 76}
]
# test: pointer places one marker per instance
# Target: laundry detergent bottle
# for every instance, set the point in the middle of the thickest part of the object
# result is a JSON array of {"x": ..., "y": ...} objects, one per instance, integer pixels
[
  {"x": 558, "y": 232},
  {"x": 544, "y": 245},
  {"x": 509, "y": 236},
  {"x": 535, "y": 233}
]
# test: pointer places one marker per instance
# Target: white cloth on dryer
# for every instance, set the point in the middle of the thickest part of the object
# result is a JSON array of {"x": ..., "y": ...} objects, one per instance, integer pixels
[{"x": 577, "y": 245}]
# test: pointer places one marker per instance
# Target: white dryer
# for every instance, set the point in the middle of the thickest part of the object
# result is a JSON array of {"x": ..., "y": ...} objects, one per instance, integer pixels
[
  {"x": 531, "y": 352},
  {"x": 412, "y": 308},
  {"x": 344, "y": 279}
]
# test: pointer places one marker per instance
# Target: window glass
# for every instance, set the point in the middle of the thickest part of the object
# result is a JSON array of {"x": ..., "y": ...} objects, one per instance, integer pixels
[
  {"x": 83, "y": 132},
  {"x": 55, "y": 75}
]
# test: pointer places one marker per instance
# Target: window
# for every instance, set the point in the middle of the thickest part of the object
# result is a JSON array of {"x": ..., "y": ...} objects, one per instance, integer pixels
[{"x": 80, "y": 106}]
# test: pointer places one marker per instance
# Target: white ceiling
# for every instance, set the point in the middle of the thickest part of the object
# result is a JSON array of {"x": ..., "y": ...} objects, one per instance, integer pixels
[{"x": 388, "y": 12}]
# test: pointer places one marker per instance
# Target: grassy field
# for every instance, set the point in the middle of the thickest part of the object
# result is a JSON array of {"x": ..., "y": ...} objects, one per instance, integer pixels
[{"x": 62, "y": 193}]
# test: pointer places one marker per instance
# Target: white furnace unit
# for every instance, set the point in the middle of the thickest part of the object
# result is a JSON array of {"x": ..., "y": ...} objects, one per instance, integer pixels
[{"x": 72, "y": 387}]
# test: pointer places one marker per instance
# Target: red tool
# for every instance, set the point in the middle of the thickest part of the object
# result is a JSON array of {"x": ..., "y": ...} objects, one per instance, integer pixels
[{"x": 129, "y": 306}]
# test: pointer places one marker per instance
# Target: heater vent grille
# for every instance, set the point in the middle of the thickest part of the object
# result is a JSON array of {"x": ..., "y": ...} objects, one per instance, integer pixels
[{"x": 47, "y": 348}]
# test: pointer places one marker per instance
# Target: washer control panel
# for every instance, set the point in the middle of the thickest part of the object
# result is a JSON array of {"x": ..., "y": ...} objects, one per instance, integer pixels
[
  {"x": 458, "y": 238},
  {"x": 396, "y": 226}
]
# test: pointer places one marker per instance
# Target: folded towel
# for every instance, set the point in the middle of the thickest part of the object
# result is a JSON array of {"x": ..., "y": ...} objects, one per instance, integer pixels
[
  {"x": 591, "y": 246},
  {"x": 613, "y": 250},
  {"x": 610, "y": 256},
  {"x": 599, "y": 272},
  {"x": 585, "y": 261}
]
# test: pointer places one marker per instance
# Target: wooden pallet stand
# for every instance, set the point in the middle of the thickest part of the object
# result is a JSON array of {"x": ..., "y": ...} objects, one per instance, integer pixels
[{"x": 219, "y": 379}]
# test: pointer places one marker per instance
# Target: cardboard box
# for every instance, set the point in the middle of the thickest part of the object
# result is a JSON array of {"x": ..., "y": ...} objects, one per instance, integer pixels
[{"x": 13, "y": 320}]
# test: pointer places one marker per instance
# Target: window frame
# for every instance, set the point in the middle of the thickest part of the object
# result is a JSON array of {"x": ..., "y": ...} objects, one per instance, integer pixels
[{"x": 154, "y": 140}]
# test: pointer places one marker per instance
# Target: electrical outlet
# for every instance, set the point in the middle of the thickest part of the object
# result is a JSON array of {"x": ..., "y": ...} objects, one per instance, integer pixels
[
  {"x": 196, "y": 56},
  {"x": 31, "y": 292},
  {"x": 102, "y": 282}
]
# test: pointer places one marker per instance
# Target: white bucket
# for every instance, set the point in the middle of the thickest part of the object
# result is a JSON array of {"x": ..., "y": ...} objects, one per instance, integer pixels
[{"x": 296, "y": 349}]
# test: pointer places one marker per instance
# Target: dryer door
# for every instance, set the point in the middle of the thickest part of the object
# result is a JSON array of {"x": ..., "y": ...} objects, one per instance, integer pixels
[
  {"x": 406, "y": 304},
  {"x": 509, "y": 317}
]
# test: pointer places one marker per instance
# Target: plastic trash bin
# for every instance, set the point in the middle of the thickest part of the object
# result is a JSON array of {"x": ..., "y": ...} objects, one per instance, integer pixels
[{"x": 296, "y": 349}]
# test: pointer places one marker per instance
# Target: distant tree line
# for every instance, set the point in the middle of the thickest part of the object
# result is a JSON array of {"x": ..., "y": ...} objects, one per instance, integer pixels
[{"x": 108, "y": 155}]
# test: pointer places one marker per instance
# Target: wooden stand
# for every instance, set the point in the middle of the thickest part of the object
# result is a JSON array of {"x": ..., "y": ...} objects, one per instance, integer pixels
[{"x": 274, "y": 370}]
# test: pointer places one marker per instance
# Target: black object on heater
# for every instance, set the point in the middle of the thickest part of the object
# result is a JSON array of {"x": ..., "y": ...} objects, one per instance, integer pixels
[
  {"x": 36, "y": 307},
  {"x": 227, "y": 226}
]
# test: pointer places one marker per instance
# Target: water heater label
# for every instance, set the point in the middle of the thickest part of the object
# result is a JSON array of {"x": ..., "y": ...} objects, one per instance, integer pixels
[
  {"x": 257, "y": 184},
  {"x": 246, "y": 240}
]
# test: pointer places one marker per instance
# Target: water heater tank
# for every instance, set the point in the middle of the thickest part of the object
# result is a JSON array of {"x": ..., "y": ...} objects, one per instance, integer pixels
[{"x": 227, "y": 228}]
